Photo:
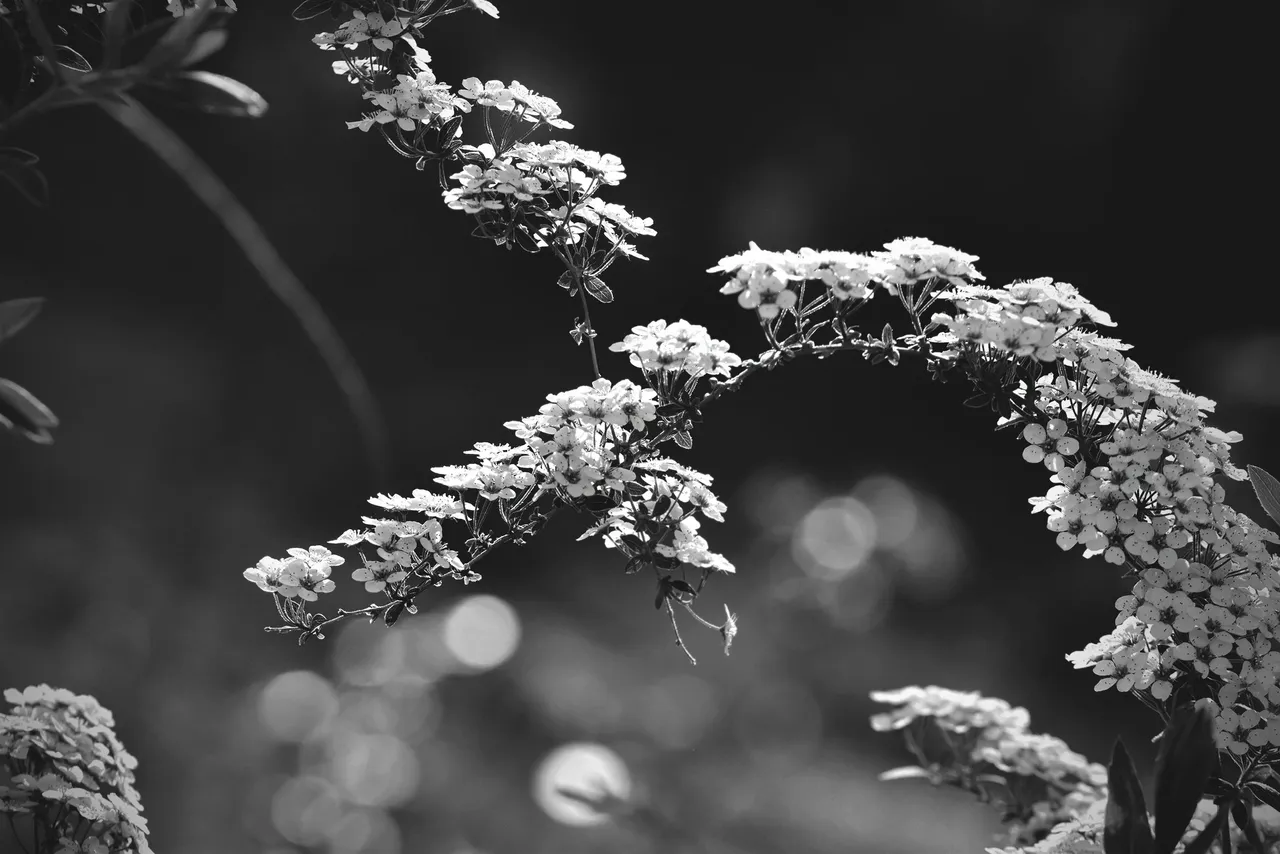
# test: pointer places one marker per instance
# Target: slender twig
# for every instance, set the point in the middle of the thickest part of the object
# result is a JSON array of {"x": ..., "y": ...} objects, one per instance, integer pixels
[
  {"x": 282, "y": 281},
  {"x": 676, "y": 628},
  {"x": 590, "y": 336}
]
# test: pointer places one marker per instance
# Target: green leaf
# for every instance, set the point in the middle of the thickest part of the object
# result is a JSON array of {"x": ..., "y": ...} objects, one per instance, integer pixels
[
  {"x": 308, "y": 9},
  {"x": 209, "y": 93},
  {"x": 906, "y": 772},
  {"x": 17, "y": 313},
  {"x": 392, "y": 614},
  {"x": 19, "y": 169},
  {"x": 69, "y": 58},
  {"x": 684, "y": 439},
  {"x": 1242, "y": 812},
  {"x": 23, "y": 413},
  {"x": 1266, "y": 793},
  {"x": 1206, "y": 838},
  {"x": 1125, "y": 828},
  {"x": 1185, "y": 761},
  {"x": 597, "y": 288},
  {"x": 1268, "y": 490}
]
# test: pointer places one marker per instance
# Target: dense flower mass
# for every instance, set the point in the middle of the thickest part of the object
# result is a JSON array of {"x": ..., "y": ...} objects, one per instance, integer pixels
[
  {"x": 679, "y": 347},
  {"x": 984, "y": 736},
  {"x": 585, "y": 443},
  {"x": 63, "y": 768},
  {"x": 1134, "y": 465}
]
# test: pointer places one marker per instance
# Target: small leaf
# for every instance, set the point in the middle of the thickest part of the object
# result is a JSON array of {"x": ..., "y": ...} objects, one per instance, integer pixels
[
  {"x": 19, "y": 169},
  {"x": 393, "y": 612},
  {"x": 1185, "y": 761},
  {"x": 684, "y": 439},
  {"x": 308, "y": 9},
  {"x": 906, "y": 772},
  {"x": 22, "y": 412},
  {"x": 1125, "y": 830},
  {"x": 449, "y": 129},
  {"x": 597, "y": 288},
  {"x": 683, "y": 587},
  {"x": 68, "y": 58},
  {"x": 1266, "y": 793},
  {"x": 210, "y": 93},
  {"x": 566, "y": 281},
  {"x": 1208, "y": 836},
  {"x": 16, "y": 314},
  {"x": 1242, "y": 812},
  {"x": 1268, "y": 490},
  {"x": 886, "y": 335}
]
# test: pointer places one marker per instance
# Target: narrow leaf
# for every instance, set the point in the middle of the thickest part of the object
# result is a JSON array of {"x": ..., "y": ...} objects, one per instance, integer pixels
[
  {"x": 392, "y": 614},
  {"x": 209, "y": 93},
  {"x": 69, "y": 58},
  {"x": 23, "y": 413},
  {"x": 23, "y": 175},
  {"x": 1268, "y": 490},
  {"x": 273, "y": 269},
  {"x": 308, "y": 9},
  {"x": 1206, "y": 838},
  {"x": 597, "y": 288},
  {"x": 1266, "y": 793},
  {"x": 1185, "y": 761},
  {"x": 1242, "y": 812},
  {"x": 1125, "y": 829},
  {"x": 906, "y": 772},
  {"x": 17, "y": 313}
]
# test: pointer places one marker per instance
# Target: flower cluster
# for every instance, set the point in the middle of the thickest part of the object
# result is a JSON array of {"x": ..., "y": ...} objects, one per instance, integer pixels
[
  {"x": 763, "y": 279},
  {"x": 685, "y": 347},
  {"x": 304, "y": 573},
  {"x": 535, "y": 195},
  {"x": 1134, "y": 464},
  {"x": 985, "y": 737},
  {"x": 67, "y": 771},
  {"x": 1135, "y": 469},
  {"x": 1026, "y": 319},
  {"x": 567, "y": 176},
  {"x": 516, "y": 99},
  {"x": 585, "y": 446}
]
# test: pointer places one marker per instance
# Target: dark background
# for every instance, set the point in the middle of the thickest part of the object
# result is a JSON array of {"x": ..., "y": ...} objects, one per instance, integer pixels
[{"x": 1107, "y": 144}]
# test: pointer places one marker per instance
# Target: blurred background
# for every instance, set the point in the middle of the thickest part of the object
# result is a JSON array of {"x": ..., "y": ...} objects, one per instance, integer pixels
[{"x": 880, "y": 530}]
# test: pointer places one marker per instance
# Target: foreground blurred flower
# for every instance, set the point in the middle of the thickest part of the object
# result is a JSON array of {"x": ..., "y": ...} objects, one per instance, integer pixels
[{"x": 70, "y": 778}]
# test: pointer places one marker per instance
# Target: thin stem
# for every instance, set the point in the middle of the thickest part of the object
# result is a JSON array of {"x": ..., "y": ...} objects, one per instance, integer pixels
[
  {"x": 275, "y": 272},
  {"x": 591, "y": 336},
  {"x": 676, "y": 628}
]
